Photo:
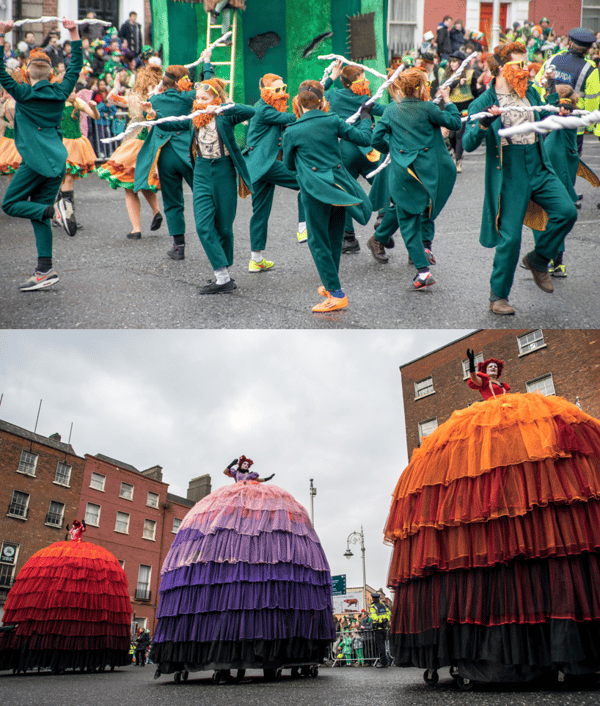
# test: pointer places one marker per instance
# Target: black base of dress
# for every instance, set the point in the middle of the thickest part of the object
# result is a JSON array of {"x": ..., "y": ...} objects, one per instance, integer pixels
[
  {"x": 510, "y": 652},
  {"x": 60, "y": 660},
  {"x": 172, "y": 656}
]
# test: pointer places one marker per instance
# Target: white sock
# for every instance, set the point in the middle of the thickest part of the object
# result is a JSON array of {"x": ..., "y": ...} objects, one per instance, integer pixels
[
  {"x": 222, "y": 275},
  {"x": 256, "y": 256},
  {"x": 301, "y": 226}
]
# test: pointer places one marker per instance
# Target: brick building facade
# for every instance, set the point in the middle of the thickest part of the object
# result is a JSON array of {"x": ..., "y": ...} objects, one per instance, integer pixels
[
  {"x": 128, "y": 512},
  {"x": 553, "y": 361},
  {"x": 41, "y": 486},
  {"x": 132, "y": 514}
]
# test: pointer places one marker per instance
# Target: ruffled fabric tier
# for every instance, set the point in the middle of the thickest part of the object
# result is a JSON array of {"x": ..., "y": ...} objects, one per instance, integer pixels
[
  {"x": 68, "y": 597},
  {"x": 560, "y": 530},
  {"x": 119, "y": 170},
  {"x": 81, "y": 158},
  {"x": 246, "y": 581},
  {"x": 237, "y": 654}
]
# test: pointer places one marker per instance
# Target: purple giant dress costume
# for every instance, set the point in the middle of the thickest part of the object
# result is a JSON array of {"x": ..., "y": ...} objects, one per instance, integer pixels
[{"x": 246, "y": 584}]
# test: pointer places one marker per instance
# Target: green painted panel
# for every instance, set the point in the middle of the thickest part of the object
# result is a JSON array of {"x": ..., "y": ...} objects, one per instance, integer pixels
[
  {"x": 305, "y": 21},
  {"x": 184, "y": 38},
  {"x": 340, "y": 11},
  {"x": 260, "y": 21}
]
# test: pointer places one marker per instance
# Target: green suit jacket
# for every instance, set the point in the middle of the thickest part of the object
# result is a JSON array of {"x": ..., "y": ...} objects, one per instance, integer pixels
[
  {"x": 344, "y": 102},
  {"x": 225, "y": 122},
  {"x": 38, "y": 116},
  {"x": 169, "y": 103},
  {"x": 410, "y": 132},
  {"x": 475, "y": 135},
  {"x": 311, "y": 148},
  {"x": 264, "y": 139}
]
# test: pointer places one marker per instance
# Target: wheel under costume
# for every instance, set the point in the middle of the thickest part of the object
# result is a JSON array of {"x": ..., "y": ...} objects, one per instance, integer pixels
[
  {"x": 495, "y": 525},
  {"x": 246, "y": 584},
  {"x": 70, "y": 604}
]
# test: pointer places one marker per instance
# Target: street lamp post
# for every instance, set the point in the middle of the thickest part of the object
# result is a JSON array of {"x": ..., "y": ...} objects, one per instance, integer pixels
[
  {"x": 355, "y": 538},
  {"x": 313, "y": 492}
]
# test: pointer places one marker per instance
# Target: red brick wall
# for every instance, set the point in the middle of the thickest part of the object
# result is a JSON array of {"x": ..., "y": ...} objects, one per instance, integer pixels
[
  {"x": 130, "y": 548},
  {"x": 563, "y": 17},
  {"x": 33, "y": 534},
  {"x": 434, "y": 12},
  {"x": 572, "y": 356}
]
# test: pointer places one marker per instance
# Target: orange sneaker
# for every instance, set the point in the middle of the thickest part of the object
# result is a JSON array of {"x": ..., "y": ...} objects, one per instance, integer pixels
[
  {"x": 331, "y": 304},
  {"x": 322, "y": 291}
]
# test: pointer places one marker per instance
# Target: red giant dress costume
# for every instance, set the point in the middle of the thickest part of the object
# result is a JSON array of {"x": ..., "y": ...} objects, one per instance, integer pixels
[
  {"x": 495, "y": 525},
  {"x": 71, "y": 608}
]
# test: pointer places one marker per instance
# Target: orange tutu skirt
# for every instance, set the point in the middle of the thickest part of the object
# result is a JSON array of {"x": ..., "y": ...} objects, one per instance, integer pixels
[
  {"x": 9, "y": 157},
  {"x": 119, "y": 170},
  {"x": 81, "y": 159}
]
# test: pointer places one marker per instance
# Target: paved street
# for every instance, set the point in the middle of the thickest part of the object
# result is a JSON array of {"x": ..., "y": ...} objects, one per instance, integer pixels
[
  {"x": 109, "y": 282},
  {"x": 333, "y": 687}
]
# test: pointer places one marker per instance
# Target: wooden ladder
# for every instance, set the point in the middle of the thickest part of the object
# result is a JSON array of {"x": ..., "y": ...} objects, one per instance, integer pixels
[{"x": 211, "y": 38}]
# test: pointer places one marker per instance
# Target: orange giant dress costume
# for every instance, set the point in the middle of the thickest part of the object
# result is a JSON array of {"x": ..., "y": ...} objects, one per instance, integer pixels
[{"x": 495, "y": 525}]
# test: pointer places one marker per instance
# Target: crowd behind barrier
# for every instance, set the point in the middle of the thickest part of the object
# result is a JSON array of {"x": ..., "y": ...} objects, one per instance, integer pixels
[{"x": 350, "y": 654}]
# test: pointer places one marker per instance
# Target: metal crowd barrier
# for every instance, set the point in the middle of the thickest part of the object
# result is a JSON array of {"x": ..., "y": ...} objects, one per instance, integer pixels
[
  {"x": 98, "y": 131},
  {"x": 370, "y": 657}
]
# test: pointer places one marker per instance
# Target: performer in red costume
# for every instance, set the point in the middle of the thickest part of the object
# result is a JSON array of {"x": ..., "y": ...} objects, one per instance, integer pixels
[
  {"x": 495, "y": 525},
  {"x": 486, "y": 378},
  {"x": 77, "y": 530}
]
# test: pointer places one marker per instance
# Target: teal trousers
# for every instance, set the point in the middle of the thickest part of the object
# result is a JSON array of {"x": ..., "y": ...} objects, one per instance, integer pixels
[
  {"x": 28, "y": 195},
  {"x": 215, "y": 205},
  {"x": 525, "y": 177},
  {"x": 418, "y": 228},
  {"x": 172, "y": 169},
  {"x": 357, "y": 164},
  {"x": 262, "y": 202},
  {"x": 325, "y": 225}
]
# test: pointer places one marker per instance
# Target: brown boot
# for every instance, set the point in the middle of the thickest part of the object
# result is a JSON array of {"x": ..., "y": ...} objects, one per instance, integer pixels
[
  {"x": 377, "y": 250},
  {"x": 542, "y": 279},
  {"x": 501, "y": 306}
]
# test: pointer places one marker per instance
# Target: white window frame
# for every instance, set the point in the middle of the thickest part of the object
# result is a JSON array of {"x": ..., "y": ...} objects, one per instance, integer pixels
[
  {"x": 150, "y": 500},
  {"x": 61, "y": 465},
  {"x": 424, "y": 390},
  {"x": 125, "y": 495},
  {"x": 60, "y": 515},
  {"x": 176, "y": 529},
  {"x": 28, "y": 466},
  {"x": 585, "y": 21},
  {"x": 147, "y": 528},
  {"x": 19, "y": 515},
  {"x": 144, "y": 586},
  {"x": 532, "y": 341},
  {"x": 98, "y": 481},
  {"x": 422, "y": 427},
  {"x": 465, "y": 365},
  {"x": 532, "y": 384},
  {"x": 120, "y": 520},
  {"x": 95, "y": 521}
]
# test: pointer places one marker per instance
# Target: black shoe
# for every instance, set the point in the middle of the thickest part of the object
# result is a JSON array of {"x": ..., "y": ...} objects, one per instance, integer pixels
[
  {"x": 391, "y": 243},
  {"x": 350, "y": 244},
  {"x": 177, "y": 252},
  {"x": 214, "y": 288},
  {"x": 134, "y": 236},
  {"x": 381, "y": 666},
  {"x": 156, "y": 221},
  {"x": 377, "y": 250}
]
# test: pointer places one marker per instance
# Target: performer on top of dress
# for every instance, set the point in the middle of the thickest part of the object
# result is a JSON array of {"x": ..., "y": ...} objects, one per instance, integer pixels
[
  {"x": 77, "y": 530},
  {"x": 486, "y": 378},
  {"x": 239, "y": 470}
]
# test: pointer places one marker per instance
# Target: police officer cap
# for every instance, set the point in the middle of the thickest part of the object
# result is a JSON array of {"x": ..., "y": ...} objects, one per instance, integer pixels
[
  {"x": 375, "y": 595},
  {"x": 582, "y": 36}
]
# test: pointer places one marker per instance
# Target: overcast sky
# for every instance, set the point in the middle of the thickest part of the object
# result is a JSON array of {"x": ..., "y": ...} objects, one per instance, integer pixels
[{"x": 302, "y": 404}]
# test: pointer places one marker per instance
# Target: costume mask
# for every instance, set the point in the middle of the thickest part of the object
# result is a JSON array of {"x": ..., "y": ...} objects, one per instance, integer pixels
[
  {"x": 517, "y": 75},
  {"x": 492, "y": 370},
  {"x": 361, "y": 88},
  {"x": 277, "y": 100},
  {"x": 202, "y": 120}
]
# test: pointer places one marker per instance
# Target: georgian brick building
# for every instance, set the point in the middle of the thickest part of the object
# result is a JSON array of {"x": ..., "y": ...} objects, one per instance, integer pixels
[
  {"x": 129, "y": 512},
  {"x": 553, "y": 361},
  {"x": 39, "y": 495}
]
